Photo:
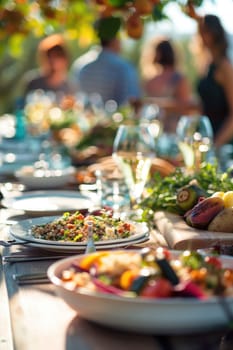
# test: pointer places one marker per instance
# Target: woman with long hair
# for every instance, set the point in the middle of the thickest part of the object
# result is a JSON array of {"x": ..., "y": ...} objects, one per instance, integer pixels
[{"x": 215, "y": 87}]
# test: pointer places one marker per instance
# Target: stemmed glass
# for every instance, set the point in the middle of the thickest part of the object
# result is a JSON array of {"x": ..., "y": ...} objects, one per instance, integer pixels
[
  {"x": 195, "y": 140},
  {"x": 133, "y": 151}
]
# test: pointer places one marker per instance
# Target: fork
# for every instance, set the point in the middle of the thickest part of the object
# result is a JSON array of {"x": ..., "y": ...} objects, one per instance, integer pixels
[
  {"x": 33, "y": 278},
  {"x": 28, "y": 258},
  {"x": 11, "y": 242},
  {"x": 90, "y": 247}
]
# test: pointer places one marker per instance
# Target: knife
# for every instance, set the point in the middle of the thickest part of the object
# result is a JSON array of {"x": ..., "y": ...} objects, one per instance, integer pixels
[
  {"x": 23, "y": 258},
  {"x": 32, "y": 278}
]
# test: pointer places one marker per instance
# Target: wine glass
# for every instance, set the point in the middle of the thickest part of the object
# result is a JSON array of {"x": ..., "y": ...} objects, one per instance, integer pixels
[
  {"x": 195, "y": 140},
  {"x": 151, "y": 113},
  {"x": 133, "y": 150}
]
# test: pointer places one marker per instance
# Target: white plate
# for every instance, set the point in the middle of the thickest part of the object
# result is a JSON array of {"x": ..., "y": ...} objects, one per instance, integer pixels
[
  {"x": 22, "y": 231},
  {"x": 171, "y": 315},
  {"x": 49, "y": 202},
  {"x": 212, "y": 251},
  {"x": 20, "y": 146},
  {"x": 44, "y": 180},
  {"x": 9, "y": 168},
  {"x": 18, "y": 153},
  {"x": 74, "y": 249}
]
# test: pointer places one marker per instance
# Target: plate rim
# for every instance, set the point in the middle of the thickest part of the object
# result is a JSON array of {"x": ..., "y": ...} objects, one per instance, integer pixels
[
  {"x": 10, "y": 201},
  {"x": 74, "y": 249},
  {"x": 29, "y": 179},
  {"x": 27, "y": 238}
]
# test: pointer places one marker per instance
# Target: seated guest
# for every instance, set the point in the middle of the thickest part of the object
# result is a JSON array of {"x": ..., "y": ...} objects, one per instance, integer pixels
[
  {"x": 52, "y": 75},
  {"x": 107, "y": 73},
  {"x": 168, "y": 87}
]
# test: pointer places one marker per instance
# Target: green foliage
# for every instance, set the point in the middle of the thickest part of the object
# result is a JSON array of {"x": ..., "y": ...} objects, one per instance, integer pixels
[
  {"x": 100, "y": 136},
  {"x": 23, "y": 23},
  {"x": 197, "y": 2},
  {"x": 163, "y": 191},
  {"x": 67, "y": 120},
  {"x": 16, "y": 45},
  {"x": 40, "y": 18},
  {"x": 118, "y": 3},
  {"x": 158, "y": 14}
]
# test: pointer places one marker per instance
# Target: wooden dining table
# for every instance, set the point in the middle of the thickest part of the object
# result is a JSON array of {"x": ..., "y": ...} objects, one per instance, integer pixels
[{"x": 33, "y": 317}]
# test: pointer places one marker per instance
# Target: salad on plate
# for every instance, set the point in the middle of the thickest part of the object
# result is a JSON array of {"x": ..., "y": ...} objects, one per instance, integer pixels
[{"x": 73, "y": 227}]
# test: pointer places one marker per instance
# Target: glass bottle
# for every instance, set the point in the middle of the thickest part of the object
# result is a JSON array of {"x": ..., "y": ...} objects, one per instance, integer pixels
[{"x": 20, "y": 125}]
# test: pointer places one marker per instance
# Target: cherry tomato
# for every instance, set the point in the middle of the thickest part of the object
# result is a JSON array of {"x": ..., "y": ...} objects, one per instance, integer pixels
[
  {"x": 160, "y": 288},
  {"x": 163, "y": 252},
  {"x": 213, "y": 260}
]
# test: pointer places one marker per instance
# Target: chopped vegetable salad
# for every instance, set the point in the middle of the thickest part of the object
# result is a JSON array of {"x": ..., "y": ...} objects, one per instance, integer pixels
[
  {"x": 150, "y": 274},
  {"x": 74, "y": 228}
]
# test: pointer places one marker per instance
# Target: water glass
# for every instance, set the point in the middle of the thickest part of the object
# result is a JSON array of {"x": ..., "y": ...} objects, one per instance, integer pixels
[{"x": 111, "y": 189}]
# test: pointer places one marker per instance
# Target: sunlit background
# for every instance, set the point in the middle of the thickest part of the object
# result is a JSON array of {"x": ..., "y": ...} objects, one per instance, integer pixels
[{"x": 178, "y": 26}]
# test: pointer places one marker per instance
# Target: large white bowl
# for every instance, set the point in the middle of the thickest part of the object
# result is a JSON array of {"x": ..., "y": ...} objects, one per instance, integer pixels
[
  {"x": 163, "y": 316},
  {"x": 41, "y": 179}
]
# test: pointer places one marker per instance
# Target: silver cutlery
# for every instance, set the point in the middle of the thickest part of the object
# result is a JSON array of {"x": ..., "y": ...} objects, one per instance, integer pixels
[
  {"x": 90, "y": 247},
  {"x": 26, "y": 258},
  {"x": 11, "y": 242},
  {"x": 88, "y": 187},
  {"x": 8, "y": 222},
  {"x": 32, "y": 278}
]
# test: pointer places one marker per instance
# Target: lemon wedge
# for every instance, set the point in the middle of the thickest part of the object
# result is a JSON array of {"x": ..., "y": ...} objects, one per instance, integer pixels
[
  {"x": 219, "y": 194},
  {"x": 228, "y": 199}
]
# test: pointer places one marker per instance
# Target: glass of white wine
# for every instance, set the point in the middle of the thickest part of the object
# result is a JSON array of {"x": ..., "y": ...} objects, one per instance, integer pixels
[
  {"x": 195, "y": 141},
  {"x": 133, "y": 151}
]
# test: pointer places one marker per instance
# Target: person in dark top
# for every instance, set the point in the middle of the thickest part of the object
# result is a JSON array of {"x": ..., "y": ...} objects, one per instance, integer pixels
[
  {"x": 52, "y": 75},
  {"x": 216, "y": 87},
  {"x": 213, "y": 97}
]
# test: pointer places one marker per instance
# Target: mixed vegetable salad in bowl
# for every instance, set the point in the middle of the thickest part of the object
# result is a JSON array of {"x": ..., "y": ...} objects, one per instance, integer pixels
[
  {"x": 150, "y": 274},
  {"x": 147, "y": 290}
]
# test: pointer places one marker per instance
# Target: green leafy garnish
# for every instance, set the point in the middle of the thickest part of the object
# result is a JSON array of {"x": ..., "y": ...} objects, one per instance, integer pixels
[{"x": 163, "y": 191}]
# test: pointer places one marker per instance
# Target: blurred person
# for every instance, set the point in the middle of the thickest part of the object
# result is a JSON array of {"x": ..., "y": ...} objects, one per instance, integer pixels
[
  {"x": 105, "y": 71},
  {"x": 52, "y": 74},
  {"x": 167, "y": 86},
  {"x": 215, "y": 87}
]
